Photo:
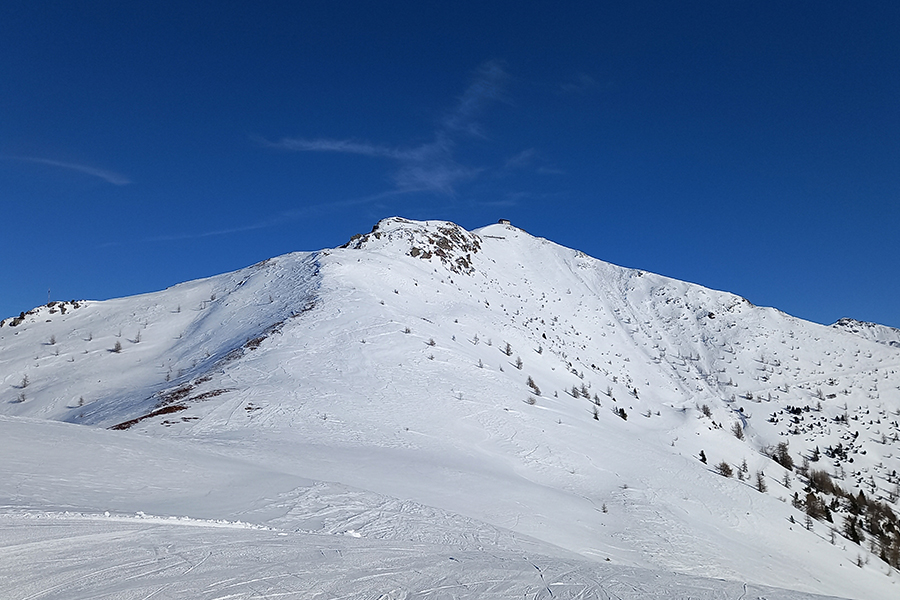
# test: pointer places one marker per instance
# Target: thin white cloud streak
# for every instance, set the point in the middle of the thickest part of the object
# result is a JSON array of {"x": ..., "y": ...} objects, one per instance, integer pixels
[
  {"x": 440, "y": 178},
  {"x": 280, "y": 219},
  {"x": 108, "y": 176},
  {"x": 429, "y": 167},
  {"x": 487, "y": 87},
  {"x": 550, "y": 171},
  {"x": 584, "y": 83},
  {"x": 521, "y": 160},
  {"x": 213, "y": 233},
  {"x": 344, "y": 146}
]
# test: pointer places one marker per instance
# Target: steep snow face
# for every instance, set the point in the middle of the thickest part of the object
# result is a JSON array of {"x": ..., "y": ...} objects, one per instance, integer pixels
[{"x": 504, "y": 379}]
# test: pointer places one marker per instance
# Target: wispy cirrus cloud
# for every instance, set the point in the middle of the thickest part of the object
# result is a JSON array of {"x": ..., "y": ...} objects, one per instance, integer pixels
[
  {"x": 521, "y": 160},
  {"x": 273, "y": 221},
  {"x": 486, "y": 88},
  {"x": 432, "y": 166},
  {"x": 582, "y": 83},
  {"x": 108, "y": 176},
  {"x": 550, "y": 171},
  {"x": 345, "y": 146}
]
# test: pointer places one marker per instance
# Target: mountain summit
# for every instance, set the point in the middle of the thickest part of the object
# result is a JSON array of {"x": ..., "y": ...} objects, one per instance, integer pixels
[{"x": 488, "y": 389}]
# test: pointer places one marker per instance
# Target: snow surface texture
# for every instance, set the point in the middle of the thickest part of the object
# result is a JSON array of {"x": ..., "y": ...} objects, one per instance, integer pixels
[{"x": 359, "y": 421}]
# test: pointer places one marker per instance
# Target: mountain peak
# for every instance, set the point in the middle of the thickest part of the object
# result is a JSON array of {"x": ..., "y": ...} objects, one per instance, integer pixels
[{"x": 436, "y": 241}]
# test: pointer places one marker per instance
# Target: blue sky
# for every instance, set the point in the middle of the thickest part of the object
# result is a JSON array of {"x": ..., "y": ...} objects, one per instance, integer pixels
[{"x": 747, "y": 146}]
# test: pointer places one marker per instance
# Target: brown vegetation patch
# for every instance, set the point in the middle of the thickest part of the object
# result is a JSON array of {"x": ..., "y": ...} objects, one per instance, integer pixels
[{"x": 161, "y": 411}]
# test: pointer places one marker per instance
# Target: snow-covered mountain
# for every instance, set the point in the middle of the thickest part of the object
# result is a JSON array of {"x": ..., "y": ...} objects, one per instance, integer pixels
[
  {"x": 451, "y": 401},
  {"x": 872, "y": 331}
]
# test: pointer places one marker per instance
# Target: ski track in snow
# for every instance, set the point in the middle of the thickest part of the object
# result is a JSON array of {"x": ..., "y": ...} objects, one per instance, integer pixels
[{"x": 76, "y": 557}]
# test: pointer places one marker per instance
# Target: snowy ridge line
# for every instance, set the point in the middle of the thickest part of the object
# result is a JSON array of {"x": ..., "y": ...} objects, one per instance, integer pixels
[{"x": 140, "y": 347}]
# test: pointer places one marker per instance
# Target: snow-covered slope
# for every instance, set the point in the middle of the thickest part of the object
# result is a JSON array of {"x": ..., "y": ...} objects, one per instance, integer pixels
[
  {"x": 871, "y": 331},
  {"x": 478, "y": 390}
]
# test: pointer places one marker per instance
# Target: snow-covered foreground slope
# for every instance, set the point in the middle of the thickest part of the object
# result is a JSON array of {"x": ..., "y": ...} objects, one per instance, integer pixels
[
  {"x": 144, "y": 558},
  {"x": 483, "y": 392},
  {"x": 72, "y": 529}
]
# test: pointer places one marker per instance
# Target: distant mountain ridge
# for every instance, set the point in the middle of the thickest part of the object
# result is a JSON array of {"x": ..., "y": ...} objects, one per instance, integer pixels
[{"x": 871, "y": 331}]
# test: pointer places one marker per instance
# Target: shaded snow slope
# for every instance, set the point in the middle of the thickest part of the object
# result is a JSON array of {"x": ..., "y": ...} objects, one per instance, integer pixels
[
  {"x": 513, "y": 390},
  {"x": 86, "y": 361}
]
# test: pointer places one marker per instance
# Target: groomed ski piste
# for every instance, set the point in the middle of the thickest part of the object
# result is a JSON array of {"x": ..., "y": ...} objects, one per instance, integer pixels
[{"x": 428, "y": 412}]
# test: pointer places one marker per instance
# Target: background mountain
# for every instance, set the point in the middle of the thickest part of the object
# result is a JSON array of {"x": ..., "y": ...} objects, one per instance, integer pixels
[
  {"x": 446, "y": 406},
  {"x": 872, "y": 331}
]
